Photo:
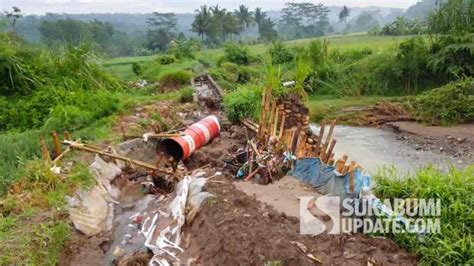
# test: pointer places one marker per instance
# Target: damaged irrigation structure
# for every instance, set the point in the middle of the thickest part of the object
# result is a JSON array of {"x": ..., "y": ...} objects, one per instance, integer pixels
[{"x": 169, "y": 197}]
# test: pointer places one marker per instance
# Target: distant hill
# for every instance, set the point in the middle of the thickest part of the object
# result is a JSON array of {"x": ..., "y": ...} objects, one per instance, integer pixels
[
  {"x": 135, "y": 24},
  {"x": 421, "y": 10}
]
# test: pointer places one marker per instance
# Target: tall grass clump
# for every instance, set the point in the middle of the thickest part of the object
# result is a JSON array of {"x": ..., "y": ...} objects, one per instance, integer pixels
[
  {"x": 454, "y": 244},
  {"x": 447, "y": 105},
  {"x": 244, "y": 102},
  {"x": 43, "y": 90}
]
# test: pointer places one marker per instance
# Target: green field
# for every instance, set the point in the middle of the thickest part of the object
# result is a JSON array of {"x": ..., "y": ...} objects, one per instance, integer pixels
[{"x": 122, "y": 66}]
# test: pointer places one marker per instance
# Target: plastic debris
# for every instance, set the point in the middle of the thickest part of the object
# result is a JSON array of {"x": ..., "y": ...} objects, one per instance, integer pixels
[{"x": 92, "y": 211}]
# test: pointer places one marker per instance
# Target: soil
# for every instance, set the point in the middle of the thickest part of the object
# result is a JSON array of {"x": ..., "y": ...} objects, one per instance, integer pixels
[
  {"x": 235, "y": 227},
  {"x": 238, "y": 229},
  {"x": 456, "y": 141}
]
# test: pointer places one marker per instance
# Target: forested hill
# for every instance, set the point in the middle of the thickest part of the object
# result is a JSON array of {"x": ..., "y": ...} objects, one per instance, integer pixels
[{"x": 136, "y": 23}]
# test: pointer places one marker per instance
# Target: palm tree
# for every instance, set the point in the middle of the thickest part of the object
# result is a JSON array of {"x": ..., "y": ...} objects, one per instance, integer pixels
[
  {"x": 231, "y": 25},
  {"x": 218, "y": 17},
  {"x": 259, "y": 16},
  {"x": 244, "y": 16},
  {"x": 202, "y": 21}
]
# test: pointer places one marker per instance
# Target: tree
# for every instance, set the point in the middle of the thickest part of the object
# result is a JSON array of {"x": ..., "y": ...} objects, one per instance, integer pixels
[
  {"x": 202, "y": 22},
  {"x": 244, "y": 16},
  {"x": 453, "y": 17},
  {"x": 366, "y": 21},
  {"x": 266, "y": 31},
  {"x": 162, "y": 30},
  {"x": 231, "y": 25},
  {"x": 304, "y": 20},
  {"x": 345, "y": 12},
  {"x": 259, "y": 16},
  {"x": 13, "y": 17}
]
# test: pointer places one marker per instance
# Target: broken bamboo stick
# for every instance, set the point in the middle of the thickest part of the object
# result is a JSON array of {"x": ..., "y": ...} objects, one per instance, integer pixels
[
  {"x": 328, "y": 138},
  {"x": 282, "y": 125},
  {"x": 329, "y": 151},
  {"x": 92, "y": 149}
]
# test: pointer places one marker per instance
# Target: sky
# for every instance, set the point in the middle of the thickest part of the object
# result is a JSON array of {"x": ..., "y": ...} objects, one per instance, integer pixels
[{"x": 177, "y": 6}]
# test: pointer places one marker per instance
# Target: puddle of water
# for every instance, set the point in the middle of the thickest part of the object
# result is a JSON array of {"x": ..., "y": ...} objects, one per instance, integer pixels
[{"x": 375, "y": 148}]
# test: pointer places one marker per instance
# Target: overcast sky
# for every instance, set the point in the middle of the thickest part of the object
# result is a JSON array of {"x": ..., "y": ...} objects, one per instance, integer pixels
[{"x": 177, "y": 6}]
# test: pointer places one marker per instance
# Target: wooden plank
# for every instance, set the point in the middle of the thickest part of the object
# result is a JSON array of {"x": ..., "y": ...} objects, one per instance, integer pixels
[{"x": 282, "y": 125}]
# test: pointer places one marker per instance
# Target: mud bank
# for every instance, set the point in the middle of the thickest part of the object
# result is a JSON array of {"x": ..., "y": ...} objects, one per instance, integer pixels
[{"x": 239, "y": 229}]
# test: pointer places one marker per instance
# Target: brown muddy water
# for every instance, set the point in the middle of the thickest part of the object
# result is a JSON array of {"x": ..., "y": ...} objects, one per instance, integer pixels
[{"x": 375, "y": 149}]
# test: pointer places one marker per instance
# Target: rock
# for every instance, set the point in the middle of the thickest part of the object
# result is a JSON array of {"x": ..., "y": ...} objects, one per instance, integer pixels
[
  {"x": 128, "y": 207},
  {"x": 441, "y": 149},
  {"x": 449, "y": 137},
  {"x": 461, "y": 140}
]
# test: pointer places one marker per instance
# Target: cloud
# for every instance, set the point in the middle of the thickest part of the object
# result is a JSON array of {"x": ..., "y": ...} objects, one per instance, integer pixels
[{"x": 177, "y": 6}]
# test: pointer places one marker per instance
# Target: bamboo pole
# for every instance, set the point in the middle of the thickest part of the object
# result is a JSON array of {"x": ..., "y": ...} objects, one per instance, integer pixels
[
  {"x": 92, "y": 149},
  {"x": 56, "y": 143},
  {"x": 271, "y": 120},
  {"x": 328, "y": 139},
  {"x": 320, "y": 138},
  {"x": 329, "y": 151}
]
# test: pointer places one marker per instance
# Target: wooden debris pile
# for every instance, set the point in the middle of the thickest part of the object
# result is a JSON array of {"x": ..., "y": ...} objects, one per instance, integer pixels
[{"x": 284, "y": 135}]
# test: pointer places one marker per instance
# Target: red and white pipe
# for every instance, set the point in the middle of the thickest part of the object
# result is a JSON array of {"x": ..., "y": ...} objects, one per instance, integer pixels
[{"x": 195, "y": 136}]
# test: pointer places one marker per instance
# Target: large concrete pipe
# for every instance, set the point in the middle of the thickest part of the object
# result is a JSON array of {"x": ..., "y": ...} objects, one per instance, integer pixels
[{"x": 195, "y": 136}]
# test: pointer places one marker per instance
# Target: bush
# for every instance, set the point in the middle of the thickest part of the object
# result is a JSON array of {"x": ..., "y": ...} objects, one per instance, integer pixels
[
  {"x": 186, "y": 94},
  {"x": 243, "y": 103},
  {"x": 175, "y": 79},
  {"x": 238, "y": 54},
  {"x": 453, "y": 245},
  {"x": 137, "y": 68},
  {"x": 166, "y": 59},
  {"x": 280, "y": 54},
  {"x": 447, "y": 105}
]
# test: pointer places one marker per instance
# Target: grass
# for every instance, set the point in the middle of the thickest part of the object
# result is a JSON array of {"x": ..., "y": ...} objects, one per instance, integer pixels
[
  {"x": 453, "y": 245},
  {"x": 122, "y": 67},
  {"x": 328, "y": 107}
]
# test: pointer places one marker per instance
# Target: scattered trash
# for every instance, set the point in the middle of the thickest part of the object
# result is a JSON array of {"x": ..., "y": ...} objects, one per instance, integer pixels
[
  {"x": 92, "y": 211},
  {"x": 189, "y": 199}
]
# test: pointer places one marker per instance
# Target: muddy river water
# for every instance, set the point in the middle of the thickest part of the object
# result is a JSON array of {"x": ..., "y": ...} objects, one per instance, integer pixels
[{"x": 375, "y": 148}]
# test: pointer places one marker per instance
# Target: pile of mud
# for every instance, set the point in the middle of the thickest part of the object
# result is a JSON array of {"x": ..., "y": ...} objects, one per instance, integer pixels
[{"x": 238, "y": 229}]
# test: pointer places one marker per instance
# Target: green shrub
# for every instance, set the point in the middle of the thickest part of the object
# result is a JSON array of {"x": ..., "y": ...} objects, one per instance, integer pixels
[
  {"x": 454, "y": 244},
  {"x": 186, "y": 94},
  {"x": 175, "y": 79},
  {"x": 185, "y": 48},
  {"x": 280, "y": 54},
  {"x": 238, "y": 54},
  {"x": 450, "y": 104},
  {"x": 137, "y": 68},
  {"x": 166, "y": 59},
  {"x": 244, "y": 102}
]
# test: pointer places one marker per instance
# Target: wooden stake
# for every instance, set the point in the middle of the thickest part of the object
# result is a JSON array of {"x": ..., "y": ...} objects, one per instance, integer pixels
[
  {"x": 328, "y": 139},
  {"x": 44, "y": 151},
  {"x": 329, "y": 151},
  {"x": 320, "y": 138},
  {"x": 57, "y": 144},
  {"x": 351, "y": 176}
]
